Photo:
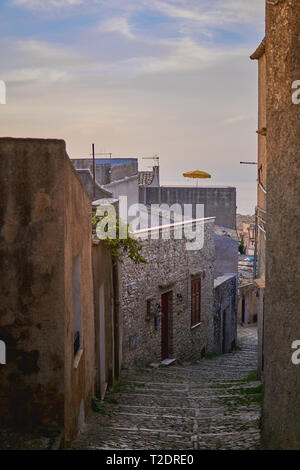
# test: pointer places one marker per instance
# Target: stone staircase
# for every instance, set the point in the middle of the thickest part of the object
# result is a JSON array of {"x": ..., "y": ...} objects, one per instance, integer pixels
[{"x": 212, "y": 404}]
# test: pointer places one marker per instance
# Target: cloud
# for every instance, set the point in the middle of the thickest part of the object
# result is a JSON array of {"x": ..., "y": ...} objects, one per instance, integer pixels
[
  {"x": 207, "y": 12},
  {"x": 39, "y": 61},
  {"x": 236, "y": 119},
  {"x": 211, "y": 12},
  {"x": 138, "y": 77},
  {"x": 116, "y": 25},
  {"x": 46, "y": 4},
  {"x": 176, "y": 12},
  {"x": 184, "y": 55}
]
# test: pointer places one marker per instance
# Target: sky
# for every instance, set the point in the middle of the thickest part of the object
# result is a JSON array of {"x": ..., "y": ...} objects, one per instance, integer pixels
[{"x": 138, "y": 78}]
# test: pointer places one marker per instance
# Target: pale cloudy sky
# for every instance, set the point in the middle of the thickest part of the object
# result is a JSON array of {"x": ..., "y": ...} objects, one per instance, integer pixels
[{"x": 137, "y": 78}]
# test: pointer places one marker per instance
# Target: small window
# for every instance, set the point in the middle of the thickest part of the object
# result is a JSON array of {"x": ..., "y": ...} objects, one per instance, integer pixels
[
  {"x": 148, "y": 313},
  {"x": 196, "y": 302}
]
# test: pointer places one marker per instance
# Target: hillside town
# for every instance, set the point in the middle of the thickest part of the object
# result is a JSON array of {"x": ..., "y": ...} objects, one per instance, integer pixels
[{"x": 139, "y": 315}]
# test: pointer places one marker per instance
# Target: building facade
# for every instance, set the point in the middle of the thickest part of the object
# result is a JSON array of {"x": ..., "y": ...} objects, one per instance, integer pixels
[
  {"x": 172, "y": 307},
  {"x": 46, "y": 289},
  {"x": 261, "y": 208},
  {"x": 167, "y": 304},
  {"x": 218, "y": 202},
  {"x": 281, "y": 326}
]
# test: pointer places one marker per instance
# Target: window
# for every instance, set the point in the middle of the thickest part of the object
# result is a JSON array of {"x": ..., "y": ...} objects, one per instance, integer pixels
[
  {"x": 148, "y": 314},
  {"x": 196, "y": 302},
  {"x": 76, "y": 275}
]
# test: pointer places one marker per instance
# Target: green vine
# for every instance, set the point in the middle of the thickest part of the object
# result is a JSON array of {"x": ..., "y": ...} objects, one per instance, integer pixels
[{"x": 118, "y": 246}]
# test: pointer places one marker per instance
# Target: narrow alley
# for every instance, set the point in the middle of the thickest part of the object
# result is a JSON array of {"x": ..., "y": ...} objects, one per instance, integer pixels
[{"x": 212, "y": 404}]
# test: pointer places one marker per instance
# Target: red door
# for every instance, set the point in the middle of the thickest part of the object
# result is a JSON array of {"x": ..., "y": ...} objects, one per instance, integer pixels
[{"x": 165, "y": 326}]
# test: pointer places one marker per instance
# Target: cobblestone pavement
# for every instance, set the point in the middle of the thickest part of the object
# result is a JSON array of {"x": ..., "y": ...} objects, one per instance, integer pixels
[{"x": 212, "y": 404}]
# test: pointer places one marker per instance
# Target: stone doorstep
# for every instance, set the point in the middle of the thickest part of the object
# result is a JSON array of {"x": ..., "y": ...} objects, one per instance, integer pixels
[{"x": 168, "y": 362}]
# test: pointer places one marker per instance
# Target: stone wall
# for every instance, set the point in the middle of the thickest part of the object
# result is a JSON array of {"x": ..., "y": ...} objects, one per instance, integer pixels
[
  {"x": 104, "y": 305},
  {"x": 86, "y": 178},
  {"x": 281, "y": 406},
  {"x": 106, "y": 172},
  {"x": 225, "y": 316},
  {"x": 219, "y": 202},
  {"x": 248, "y": 300},
  {"x": 226, "y": 255},
  {"x": 79, "y": 371},
  {"x": 170, "y": 268},
  {"x": 45, "y": 224}
]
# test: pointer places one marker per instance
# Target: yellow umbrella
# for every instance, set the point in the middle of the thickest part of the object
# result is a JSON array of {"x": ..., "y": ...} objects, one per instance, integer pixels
[{"x": 197, "y": 174}]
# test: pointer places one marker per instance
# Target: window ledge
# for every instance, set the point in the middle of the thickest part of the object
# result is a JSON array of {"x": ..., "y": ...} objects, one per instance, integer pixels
[
  {"x": 77, "y": 358},
  {"x": 196, "y": 326}
]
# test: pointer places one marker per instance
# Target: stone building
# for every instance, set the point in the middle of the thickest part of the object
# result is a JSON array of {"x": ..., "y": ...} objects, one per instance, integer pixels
[
  {"x": 171, "y": 306},
  {"x": 156, "y": 300},
  {"x": 225, "y": 313},
  {"x": 59, "y": 317},
  {"x": 225, "y": 289},
  {"x": 248, "y": 303},
  {"x": 115, "y": 177},
  {"x": 261, "y": 208},
  {"x": 46, "y": 289},
  {"x": 108, "y": 324},
  {"x": 280, "y": 69},
  {"x": 108, "y": 351},
  {"x": 218, "y": 202}
]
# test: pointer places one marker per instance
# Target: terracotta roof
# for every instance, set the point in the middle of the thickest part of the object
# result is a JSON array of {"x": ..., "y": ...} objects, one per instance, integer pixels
[{"x": 259, "y": 51}]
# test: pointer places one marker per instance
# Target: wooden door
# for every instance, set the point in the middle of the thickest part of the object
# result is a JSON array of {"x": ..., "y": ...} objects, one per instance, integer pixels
[
  {"x": 196, "y": 302},
  {"x": 165, "y": 312}
]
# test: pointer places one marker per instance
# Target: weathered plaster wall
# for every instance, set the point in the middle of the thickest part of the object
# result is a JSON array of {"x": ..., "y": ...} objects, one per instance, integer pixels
[
  {"x": 170, "y": 268},
  {"x": 86, "y": 178},
  {"x": 103, "y": 276},
  {"x": 126, "y": 187},
  {"x": 281, "y": 407},
  {"x": 32, "y": 282},
  {"x": 79, "y": 378},
  {"x": 105, "y": 173},
  {"x": 248, "y": 292},
  {"x": 225, "y": 316},
  {"x": 226, "y": 260},
  {"x": 219, "y": 202},
  {"x": 102, "y": 172},
  {"x": 44, "y": 223}
]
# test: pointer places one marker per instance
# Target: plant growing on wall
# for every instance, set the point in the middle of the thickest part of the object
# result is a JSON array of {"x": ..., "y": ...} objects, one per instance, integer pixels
[{"x": 116, "y": 235}]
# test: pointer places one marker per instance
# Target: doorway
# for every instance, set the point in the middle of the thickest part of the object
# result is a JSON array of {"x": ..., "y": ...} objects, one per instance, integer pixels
[
  {"x": 224, "y": 332},
  {"x": 166, "y": 313}
]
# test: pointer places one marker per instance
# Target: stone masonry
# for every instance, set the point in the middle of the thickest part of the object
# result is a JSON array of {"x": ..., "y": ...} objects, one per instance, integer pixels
[
  {"x": 170, "y": 267},
  {"x": 206, "y": 405}
]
